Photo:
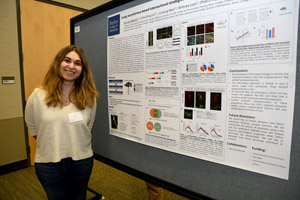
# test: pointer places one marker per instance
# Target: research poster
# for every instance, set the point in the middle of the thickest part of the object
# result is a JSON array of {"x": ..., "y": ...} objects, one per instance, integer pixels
[{"x": 209, "y": 79}]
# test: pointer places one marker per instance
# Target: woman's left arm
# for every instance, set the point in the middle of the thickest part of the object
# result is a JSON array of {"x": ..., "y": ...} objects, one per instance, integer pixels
[{"x": 93, "y": 116}]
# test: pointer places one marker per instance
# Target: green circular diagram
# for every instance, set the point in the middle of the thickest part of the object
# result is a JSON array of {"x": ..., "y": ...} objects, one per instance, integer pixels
[
  {"x": 157, "y": 113},
  {"x": 157, "y": 127}
]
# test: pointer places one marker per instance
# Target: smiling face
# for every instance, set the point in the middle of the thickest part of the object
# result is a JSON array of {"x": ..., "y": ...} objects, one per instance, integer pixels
[{"x": 71, "y": 67}]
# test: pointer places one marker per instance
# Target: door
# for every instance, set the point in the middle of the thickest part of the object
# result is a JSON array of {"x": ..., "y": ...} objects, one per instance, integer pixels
[{"x": 45, "y": 29}]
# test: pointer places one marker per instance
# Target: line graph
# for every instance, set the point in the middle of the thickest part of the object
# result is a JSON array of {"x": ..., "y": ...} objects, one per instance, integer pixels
[
  {"x": 241, "y": 36},
  {"x": 188, "y": 127},
  {"x": 215, "y": 131},
  {"x": 203, "y": 130}
]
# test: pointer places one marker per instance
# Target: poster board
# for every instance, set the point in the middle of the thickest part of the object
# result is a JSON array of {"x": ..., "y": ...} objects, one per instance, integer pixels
[{"x": 190, "y": 176}]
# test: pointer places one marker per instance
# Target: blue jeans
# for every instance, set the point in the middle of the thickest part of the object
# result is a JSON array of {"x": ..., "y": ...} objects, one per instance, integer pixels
[{"x": 67, "y": 179}]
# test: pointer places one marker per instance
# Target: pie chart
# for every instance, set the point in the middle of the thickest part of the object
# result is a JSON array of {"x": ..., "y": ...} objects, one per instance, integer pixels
[
  {"x": 211, "y": 68},
  {"x": 203, "y": 68}
]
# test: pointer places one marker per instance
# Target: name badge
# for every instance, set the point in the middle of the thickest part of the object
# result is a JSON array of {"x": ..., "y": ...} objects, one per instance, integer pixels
[{"x": 75, "y": 117}]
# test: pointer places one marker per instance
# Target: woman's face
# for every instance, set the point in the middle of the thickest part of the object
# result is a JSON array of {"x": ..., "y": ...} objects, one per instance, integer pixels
[{"x": 71, "y": 67}]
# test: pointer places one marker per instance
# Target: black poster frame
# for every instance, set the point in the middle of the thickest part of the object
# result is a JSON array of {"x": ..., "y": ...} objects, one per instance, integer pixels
[{"x": 127, "y": 156}]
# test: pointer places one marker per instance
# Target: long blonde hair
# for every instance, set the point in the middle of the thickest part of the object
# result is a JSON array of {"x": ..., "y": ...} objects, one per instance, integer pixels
[{"x": 85, "y": 91}]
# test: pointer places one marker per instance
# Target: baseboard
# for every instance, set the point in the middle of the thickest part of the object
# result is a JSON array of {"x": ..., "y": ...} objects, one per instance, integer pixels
[{"x": 13, "y": 167}]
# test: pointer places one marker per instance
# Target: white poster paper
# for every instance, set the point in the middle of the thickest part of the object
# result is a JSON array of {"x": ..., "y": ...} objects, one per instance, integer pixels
[{"x": 210, "y": 79}]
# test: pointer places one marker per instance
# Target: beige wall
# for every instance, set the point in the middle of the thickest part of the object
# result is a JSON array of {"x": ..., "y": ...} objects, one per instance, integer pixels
[
  {"x": 12, "y": 134},
  {"x": 12, "y": 141},
  {"x": 86, "y": 4},
  {"x": 10, "y": 95}
]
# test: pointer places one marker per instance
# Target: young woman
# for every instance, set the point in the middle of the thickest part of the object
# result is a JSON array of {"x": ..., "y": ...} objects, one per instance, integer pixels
[{"x": 60, "y": 115}]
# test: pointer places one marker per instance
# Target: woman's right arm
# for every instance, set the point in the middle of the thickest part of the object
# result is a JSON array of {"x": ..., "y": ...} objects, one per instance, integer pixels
[{"x": 29, "y": 115}]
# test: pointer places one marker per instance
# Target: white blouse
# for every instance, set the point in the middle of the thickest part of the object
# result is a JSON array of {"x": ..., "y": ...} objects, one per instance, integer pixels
[{"x": 61, "y": 131}]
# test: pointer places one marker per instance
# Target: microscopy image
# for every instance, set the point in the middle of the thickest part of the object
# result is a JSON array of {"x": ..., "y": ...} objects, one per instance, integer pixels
[
  {"x": 200, "y": 100},
  {"x": 215, "y": 101},
  {"x": 189, "y": 99}
]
